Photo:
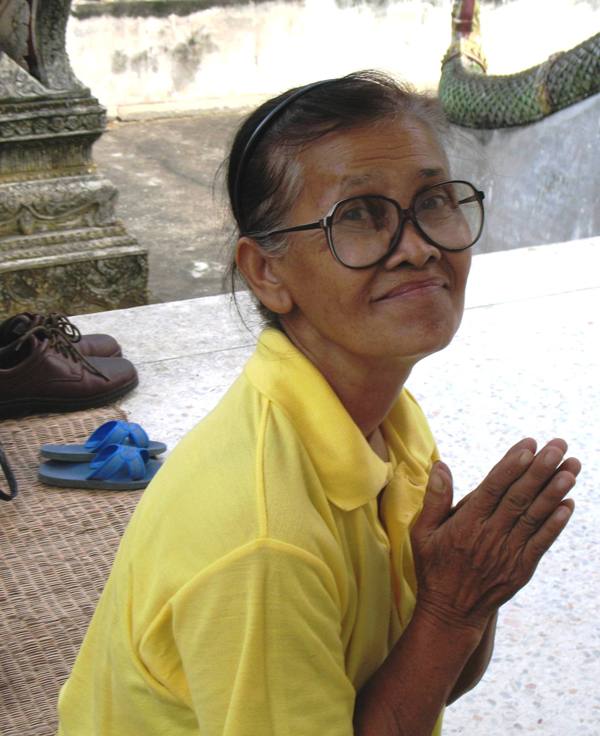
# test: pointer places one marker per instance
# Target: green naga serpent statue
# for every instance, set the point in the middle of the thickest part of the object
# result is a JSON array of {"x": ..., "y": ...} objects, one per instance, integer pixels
[{"x": 473, "y": 99}]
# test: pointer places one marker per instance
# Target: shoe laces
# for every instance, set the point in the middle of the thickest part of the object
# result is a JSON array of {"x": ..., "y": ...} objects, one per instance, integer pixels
[
  {"x": 56, "y": 320},
  {"x": 59, "y": 340}
]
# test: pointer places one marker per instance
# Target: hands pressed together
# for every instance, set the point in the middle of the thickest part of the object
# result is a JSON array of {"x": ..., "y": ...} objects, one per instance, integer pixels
[{"x": 472, "y": 558}]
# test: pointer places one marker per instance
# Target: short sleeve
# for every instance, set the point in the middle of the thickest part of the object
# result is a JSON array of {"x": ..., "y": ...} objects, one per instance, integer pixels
[{"x": 258, "y": 637}]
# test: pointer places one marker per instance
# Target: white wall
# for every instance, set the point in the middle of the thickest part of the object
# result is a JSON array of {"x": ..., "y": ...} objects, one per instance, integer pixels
[
  {"x": 541, "y": 181},
  {"x": 229, "y": 55}
]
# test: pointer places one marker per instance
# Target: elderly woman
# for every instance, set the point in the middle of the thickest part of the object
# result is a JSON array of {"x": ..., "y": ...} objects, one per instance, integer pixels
[{"x": 297, "y": 567}]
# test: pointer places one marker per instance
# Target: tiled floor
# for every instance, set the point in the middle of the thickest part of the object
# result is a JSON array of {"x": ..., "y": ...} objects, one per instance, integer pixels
[{"x": 526, "y": 362}]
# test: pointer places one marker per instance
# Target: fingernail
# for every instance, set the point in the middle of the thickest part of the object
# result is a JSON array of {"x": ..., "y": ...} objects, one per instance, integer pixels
[
  {"x": 525, "y": 457},
  {"x": 552, "y": 457},
  {"x": 442, "y": 464},
  {"x": 562, "y": 513},
  {"x": 436, "y": 482},
  {"x": 564, "y": 483}
]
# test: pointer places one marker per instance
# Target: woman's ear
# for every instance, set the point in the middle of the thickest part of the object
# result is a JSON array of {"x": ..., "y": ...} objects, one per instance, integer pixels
[{"x": 257, "y": 267}]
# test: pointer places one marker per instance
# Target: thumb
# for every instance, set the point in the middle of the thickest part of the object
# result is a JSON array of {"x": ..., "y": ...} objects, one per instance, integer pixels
[{"x": 438, "y": 497}]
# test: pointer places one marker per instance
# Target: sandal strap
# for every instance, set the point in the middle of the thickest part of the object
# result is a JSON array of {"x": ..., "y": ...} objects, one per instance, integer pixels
[
  {"x": 117, "y": 432},
  {"x": 10, "y": 477},
  {"x": 118, "y": 460},
  {"x": 138, "y": 435}
]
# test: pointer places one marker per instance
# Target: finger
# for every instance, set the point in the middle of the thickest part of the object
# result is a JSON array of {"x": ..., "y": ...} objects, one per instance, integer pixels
[
  {"x": 524, "y": 490},
  {"x": 503, "y": 475},
  {"x": 543, "y": 506},
  {"x": 571, "y": 465},
  {"x": 445, "y": 470},
  {"x": 527, "y": 443},
  {"x": 558, "y": 442},
  {"x": 545, "y": 537},
  {"x": 437, "y": 501}
]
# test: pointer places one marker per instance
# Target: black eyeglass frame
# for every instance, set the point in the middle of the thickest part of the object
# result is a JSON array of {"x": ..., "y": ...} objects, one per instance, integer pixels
[{"x": 403, "y": 215}]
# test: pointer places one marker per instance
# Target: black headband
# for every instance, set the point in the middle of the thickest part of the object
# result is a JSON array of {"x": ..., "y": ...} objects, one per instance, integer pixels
[{"x": 257, "y": 132}]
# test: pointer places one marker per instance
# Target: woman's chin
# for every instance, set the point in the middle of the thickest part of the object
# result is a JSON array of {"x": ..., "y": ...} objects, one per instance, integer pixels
[{"x": 417, "y": 341}]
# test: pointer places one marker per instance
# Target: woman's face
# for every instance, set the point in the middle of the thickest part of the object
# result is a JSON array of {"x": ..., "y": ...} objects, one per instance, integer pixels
[{"x": 400, "y": 310}]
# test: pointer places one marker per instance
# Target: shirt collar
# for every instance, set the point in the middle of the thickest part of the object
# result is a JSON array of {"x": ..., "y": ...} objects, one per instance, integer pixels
[{"x": 351, "y": 472}]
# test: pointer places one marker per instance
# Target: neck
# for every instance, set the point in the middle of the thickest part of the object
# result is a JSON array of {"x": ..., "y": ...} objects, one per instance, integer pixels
[
  {"x": 367, "y": 387},
  {"x": 368, "y": 395}
]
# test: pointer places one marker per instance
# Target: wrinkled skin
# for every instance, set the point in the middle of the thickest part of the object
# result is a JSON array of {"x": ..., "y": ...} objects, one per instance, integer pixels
[{"x": 479, "y": 554}]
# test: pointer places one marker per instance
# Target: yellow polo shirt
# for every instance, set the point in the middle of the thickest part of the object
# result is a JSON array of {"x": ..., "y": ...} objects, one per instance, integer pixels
[{"x": 255, "y": 589}]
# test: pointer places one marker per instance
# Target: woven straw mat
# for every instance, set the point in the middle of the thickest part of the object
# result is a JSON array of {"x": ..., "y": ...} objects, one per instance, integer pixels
[{"x": 57, "y": 546}]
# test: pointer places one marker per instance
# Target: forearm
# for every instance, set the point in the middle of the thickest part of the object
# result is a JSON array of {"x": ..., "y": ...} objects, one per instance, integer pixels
[
  {"x": 407, "y": 693},
  {"x": 477, "y": 663}
]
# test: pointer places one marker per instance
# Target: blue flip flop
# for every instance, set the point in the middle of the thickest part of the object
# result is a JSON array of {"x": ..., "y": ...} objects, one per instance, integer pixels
[
  {"x": 115, "y": 432},
  {"x": 114, "y": 468}
]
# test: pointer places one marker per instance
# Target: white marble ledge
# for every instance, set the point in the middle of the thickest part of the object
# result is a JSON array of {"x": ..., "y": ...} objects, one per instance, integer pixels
[
  {"x": 163, "y": 332},
  {"x": 526, "y": 273},
  {"x": 159, "y": 332}
]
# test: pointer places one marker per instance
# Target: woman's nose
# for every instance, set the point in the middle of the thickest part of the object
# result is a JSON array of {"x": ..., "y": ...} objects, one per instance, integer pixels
[{"x": 412, "y": 248}]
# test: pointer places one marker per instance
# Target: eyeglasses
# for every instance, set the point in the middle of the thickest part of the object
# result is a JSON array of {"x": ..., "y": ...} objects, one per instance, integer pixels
[{"x": 363, "y": 231}]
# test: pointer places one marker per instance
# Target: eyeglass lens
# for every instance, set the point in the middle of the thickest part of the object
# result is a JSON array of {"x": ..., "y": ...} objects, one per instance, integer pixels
[{"x": 364, "y": 228}]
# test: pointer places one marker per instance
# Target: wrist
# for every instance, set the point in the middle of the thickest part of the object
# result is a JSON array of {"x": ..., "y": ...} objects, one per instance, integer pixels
[{"x": 465, "y": 630}]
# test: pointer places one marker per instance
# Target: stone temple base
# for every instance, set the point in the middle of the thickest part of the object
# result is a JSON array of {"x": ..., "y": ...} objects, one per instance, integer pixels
[
  {"x": 62, "y": 249},
  {"x": 74, "y": 272}
]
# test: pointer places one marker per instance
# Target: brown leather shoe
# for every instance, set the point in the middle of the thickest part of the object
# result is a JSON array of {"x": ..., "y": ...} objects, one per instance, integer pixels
[
  {"x": 41, "y": 370},
  {"x": 97, "y": 345}
]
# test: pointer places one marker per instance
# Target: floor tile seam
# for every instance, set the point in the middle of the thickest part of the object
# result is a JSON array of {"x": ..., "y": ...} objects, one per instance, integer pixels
[
  {"x": 195, "y": 355},
  {"x": 532, "y": 298}
]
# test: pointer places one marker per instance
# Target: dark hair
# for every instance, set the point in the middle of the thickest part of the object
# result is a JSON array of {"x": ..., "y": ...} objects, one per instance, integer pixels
[{"x": 262, "y": 172}]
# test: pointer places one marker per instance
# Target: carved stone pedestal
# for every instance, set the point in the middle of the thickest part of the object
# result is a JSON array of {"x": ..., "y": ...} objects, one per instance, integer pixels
[{"x": 61, "y": 247}]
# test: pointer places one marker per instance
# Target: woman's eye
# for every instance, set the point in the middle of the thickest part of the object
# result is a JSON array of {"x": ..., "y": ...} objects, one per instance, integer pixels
[
  {"x": 434, "y": 202},
  {"x": 355, "y": 214}
]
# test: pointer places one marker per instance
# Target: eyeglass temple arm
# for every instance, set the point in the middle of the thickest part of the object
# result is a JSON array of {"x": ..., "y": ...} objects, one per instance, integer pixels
[
  {"x": 477, "y": 197},
  {"x": 320, "y": 225}
]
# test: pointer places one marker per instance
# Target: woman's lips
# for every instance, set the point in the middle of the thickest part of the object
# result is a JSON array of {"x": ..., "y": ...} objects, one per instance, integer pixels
[{"x": 413, "y": 288}]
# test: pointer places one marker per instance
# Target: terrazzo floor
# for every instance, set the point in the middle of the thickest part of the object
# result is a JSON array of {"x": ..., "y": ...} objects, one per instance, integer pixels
[{"x": 526, "y": 362}]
